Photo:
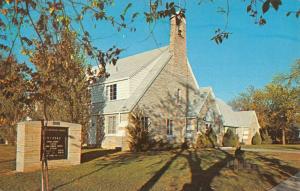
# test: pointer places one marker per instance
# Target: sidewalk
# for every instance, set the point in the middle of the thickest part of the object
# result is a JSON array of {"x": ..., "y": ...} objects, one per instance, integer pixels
[
  {"x": 291, "y": 184},
  {"x": 263, "y": 150}
]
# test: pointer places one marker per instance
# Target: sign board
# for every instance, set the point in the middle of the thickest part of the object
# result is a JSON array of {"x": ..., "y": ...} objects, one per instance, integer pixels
[{"x": 56, "y": 143}]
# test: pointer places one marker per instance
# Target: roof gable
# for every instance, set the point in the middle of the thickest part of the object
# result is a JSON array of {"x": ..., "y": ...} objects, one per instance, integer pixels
[
  {"x": 126, "y": 68},
  {"x": 236, "y": 118}
]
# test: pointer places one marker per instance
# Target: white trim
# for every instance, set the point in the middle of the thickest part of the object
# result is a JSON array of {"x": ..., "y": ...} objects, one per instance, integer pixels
[
  {"x": 151, "y": 62},
  {"x": 171, "y": 136},
  {"x": 149, "y": 85},
  {"x": 113, "y": 135},
  {"x": 193, "y": 76},
  {"x": 108, "y": 81}
]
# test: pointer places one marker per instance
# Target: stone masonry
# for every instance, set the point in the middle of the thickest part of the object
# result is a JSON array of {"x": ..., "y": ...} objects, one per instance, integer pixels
[{"x": 29, "y": 145}]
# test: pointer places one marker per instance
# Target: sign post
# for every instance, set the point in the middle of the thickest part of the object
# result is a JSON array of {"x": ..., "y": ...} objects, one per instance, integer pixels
[{"x": 45, "y": 179}]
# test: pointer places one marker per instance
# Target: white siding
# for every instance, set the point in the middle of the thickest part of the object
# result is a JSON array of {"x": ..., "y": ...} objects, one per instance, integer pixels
[
  {"x": 122, "y": 89},
  {"x": 139, "y": 76},
  {"x": 99, "y": 94}
]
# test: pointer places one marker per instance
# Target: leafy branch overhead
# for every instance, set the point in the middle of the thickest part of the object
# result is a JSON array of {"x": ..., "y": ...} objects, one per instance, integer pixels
[{"x": 34, "y": 24}]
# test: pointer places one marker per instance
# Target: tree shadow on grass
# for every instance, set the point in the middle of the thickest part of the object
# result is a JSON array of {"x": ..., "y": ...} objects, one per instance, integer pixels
[
  {"x": 201, "y": 179},
  {"x": 91, "y": 155},
  {"x": 113, "y": 161},
  {"x": 151, "y": 182},
  {"x": 78, "y": 178},
  {"x": 277, "y": 165}
]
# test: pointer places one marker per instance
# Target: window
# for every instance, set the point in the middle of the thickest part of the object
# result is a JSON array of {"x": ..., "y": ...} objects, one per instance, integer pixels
[
  {"x": 198, "y": 125},
  {"x": 111, "y": 92},
  {"x": 208, "y": 126},
  {"x": 145, "y": 122},
  {"x": 178, "y": 96},
  {"x": 111, "y": 129},
  {"x": 189, "y": 126},
  {"x": 169, "y": 127}
]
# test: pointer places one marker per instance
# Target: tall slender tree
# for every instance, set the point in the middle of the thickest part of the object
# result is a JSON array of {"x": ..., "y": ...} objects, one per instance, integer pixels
[{"x": 14, "y": 102}]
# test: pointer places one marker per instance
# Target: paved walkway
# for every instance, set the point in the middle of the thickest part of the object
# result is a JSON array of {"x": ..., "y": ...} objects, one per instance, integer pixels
[
  {"x": 291, "y": 184},
  {"x": 271, "y": 150},
  {"x": 263, "y": 150}
]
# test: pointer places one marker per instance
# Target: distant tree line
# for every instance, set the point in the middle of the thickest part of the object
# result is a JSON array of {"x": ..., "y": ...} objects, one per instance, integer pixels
[{"x": 277, "y": 105}]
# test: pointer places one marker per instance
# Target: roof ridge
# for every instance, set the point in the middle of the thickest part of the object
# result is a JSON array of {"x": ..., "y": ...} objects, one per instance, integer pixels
[
  {"x": 147, "y": 51},
  {"x": 151, "y": 61},
  {"x": 166, "y": 61}
]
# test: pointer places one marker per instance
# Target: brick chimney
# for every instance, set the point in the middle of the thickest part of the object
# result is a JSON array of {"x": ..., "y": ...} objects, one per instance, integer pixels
[{"x": 178, "y": 38}]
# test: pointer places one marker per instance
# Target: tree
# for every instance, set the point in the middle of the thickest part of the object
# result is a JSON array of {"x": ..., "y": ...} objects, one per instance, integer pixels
[
  {"x": 276, "y": 108},
  {"x": 282, "y": 108},
  {"x": 253, "y": 99},
  {"x": 292, "y": 77},
  {"x": 207, "y": 139},
  {"x": 139, "y": 135},
  {"x": 14, "y": 102},
  {"x": 67, "y": 83},
  {"x": 266, "y": 138},
  {"x": 203, "y": 141},
  {"x": 230, "y": 139},
  {"x": 56, "y": 90},
  {"x": 256, "y": 139}
]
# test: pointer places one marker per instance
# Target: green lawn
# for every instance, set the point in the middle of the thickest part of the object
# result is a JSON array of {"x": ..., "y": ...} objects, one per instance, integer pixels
[
  {"x": 165, "y": 170},
  {"x": 7, "y": 158}
]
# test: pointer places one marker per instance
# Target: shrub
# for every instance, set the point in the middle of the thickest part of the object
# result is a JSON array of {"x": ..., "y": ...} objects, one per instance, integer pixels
[
  {"x": 161, "y": 145},
  {"x": 207, "y": 140},
  {"x": 139, "y": 136},
  {"x": 212, "y": 137},
  {"x": 256, "y": 139},
  {"x": 266, "y": 138},
  {"x": 203, "y": 141},
  {"x": 230, "y": 139}
]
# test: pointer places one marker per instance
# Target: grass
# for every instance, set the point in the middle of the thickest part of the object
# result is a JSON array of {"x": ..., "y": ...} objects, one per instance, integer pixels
[
  {"x": 7, "y": 158},
  {"x": 165, "y": 170}
]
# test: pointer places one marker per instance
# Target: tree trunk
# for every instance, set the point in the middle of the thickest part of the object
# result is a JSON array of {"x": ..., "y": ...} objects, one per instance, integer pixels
[{"x": 283, "y": 136}]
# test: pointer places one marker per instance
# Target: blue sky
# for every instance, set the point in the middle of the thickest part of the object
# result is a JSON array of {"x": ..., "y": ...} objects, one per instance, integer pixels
[{"x": 251, "y": 56}]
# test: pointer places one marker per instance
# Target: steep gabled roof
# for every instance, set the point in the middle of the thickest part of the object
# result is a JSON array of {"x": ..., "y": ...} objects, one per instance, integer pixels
[
  {"x": 128, "y": 68},
  {"x": 199, "y": 99},
  {"x": 131, "y": 65},
  {"x": 153, "y": 62},
  {"x": 159, "y": 63},
  {"x": 196, "y": 104},
  {"x": 236, "y": 118}
]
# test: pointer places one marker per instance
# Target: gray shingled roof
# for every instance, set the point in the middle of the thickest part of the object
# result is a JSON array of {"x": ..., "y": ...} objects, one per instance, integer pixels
[
  {"x": 235, "y": 118},
  {"x": 195, "y": 106},
  {"x": 127, "y": 68}
]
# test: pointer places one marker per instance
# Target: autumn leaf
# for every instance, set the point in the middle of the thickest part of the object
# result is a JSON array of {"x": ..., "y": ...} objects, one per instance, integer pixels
[
  {"x": 4, "y": 11},
  {"x": 276, "y": 4},
  {"x": 266, "y": 6}
]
